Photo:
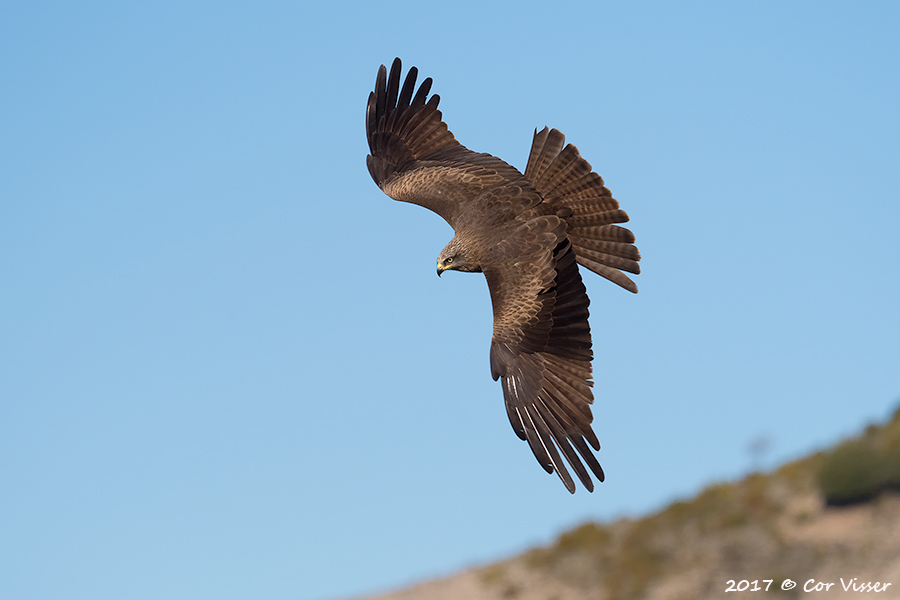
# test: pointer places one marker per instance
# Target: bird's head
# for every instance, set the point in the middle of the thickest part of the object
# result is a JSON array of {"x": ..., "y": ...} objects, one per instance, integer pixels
[{"x": 454, "y": 258}]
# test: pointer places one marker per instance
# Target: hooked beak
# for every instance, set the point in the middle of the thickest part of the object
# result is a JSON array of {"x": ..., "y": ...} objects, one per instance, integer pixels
[{"x": 440, "y": 269}]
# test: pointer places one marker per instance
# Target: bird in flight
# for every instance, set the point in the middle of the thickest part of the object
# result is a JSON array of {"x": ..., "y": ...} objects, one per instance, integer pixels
[{"x": 527, "y": 233}]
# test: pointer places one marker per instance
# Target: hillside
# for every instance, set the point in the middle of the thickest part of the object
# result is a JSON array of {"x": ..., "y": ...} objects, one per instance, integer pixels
[{"x": 832, "y": 517}]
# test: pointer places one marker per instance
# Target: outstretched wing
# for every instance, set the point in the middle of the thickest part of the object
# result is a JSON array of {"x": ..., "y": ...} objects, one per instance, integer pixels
[
  {"x": 415, "y": 158},
  {"x": 541, "y": 349}
]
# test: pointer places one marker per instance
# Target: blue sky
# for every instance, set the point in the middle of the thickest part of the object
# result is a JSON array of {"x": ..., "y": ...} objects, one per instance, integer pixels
[{"x": 227, "y": 369}]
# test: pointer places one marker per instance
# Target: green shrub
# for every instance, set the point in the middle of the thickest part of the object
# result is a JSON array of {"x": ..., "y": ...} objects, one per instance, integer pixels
[
  {"x": 852, "y": 473},
  {"x": 891, "y": 469}
]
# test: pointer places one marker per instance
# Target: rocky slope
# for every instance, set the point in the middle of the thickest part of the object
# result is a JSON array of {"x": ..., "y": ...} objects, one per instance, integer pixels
[{"x": 774, "y": 526}]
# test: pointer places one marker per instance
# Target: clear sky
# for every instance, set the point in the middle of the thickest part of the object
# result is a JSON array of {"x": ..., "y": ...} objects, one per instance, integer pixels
[{"x": 228, "y": 370}]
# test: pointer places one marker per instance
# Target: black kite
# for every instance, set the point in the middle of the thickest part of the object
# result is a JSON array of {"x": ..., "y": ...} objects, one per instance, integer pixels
[{"x": 525, "y": 232}]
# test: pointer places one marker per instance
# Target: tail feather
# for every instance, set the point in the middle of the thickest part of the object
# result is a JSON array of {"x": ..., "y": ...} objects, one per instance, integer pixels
[
  {"x": 614, "y": 275},
  {"x": 599, "y": 219},
  {"x": 565, "y": 168},
  {"x": 568, "y": 183},
  {"x": 587, "y": 187},
  {"x": 546, "y": 145},
  {"x": 610, "y": 233},
  {"x": 612, "y": 248}
]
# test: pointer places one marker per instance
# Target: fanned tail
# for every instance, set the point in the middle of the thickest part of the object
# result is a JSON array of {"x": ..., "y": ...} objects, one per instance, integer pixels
[{"x": 567, "y": 181}]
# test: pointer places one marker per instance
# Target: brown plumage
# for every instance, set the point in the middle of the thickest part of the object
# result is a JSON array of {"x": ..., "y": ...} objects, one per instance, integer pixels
[{"x": 527, "y": 233}]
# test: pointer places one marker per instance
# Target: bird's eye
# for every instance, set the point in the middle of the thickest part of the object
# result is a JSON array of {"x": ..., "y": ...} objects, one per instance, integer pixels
[{"x": 448, "y": 261}]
